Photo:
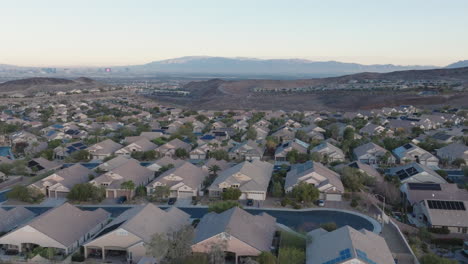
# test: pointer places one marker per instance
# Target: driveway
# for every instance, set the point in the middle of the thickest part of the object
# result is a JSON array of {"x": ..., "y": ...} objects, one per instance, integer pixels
[
  {"x": 183, "y": 202},
  {"x": 53, "y": 202}
]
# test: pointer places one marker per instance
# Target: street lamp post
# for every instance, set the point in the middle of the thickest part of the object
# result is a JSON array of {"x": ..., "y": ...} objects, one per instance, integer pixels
[{"x": 383, "y": 209}]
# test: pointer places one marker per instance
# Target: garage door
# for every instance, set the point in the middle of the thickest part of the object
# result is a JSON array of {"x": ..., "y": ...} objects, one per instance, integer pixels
[
  {"x": 185, "y": 194},
  {"x": 110, "y": 194},
  {"x": 61, "y": 194},
  {"x": 256, "y": 196},
  {"x": 333, "y": 197}
]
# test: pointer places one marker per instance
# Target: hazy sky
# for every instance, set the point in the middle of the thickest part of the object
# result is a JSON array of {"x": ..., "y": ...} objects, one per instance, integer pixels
[{"x": 119, "y": 32}]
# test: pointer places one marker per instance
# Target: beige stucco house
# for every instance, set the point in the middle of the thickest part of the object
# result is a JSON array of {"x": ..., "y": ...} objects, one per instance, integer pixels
[
  {"x": 244, "y": 234},
  {"x": 64, "y": 228},
  {"x": 127, "y": 234}
]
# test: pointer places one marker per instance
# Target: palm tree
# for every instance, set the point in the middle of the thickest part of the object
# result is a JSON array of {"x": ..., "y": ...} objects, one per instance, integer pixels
[{"x": 214, "y": 169}]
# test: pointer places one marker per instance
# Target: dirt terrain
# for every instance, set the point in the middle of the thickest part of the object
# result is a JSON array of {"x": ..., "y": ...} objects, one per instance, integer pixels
[
  {"x": 325, "y": 100},
  {"x": 219, "y": 94},
  {"x": 40, "y": 84}
]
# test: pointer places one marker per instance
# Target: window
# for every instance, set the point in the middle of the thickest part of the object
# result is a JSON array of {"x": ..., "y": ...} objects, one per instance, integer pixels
[{"x": 122, "y": 232}]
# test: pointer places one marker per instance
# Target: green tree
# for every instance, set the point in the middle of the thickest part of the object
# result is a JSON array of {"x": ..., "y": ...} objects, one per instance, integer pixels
[
  {"x": 348, "y": 134},
  {"x": 304, "y": 192},
  {"x": 277, "y": 190},
  {"x": 354, "y": 179},
  {"x": 291, "y": 255},
  {"x": 213, "y": 169},
  {"x": 266, "y": 258},
  {"x": 458, "y": 162},
  {"x": 231, "y": 194},
  {"x": 160, "y": 192},
  {"x": 181, "y": 153},
  {"x": 86, "y": 192},
  {"x": 434, "y": 259},
  {"x": 128, "y": 185},
  {"x": 251, "y": 133},
  {"x": 219, "y": 154},
  {"x": 25, "y": 194},
  {"x": 173, "y": 247}
]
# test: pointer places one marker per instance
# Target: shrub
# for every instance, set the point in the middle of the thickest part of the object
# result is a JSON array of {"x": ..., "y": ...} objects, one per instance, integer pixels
[
  {"x": 354, "y": 203},
  {"x": 220, "y": 207},
  {"x": 77, "y": 257},
  {"x": 448, "y": 241},
  {"x": 439, "y": 230},
  {"x": 285, "y": 201},
  {"x": 331, "y": 226}
]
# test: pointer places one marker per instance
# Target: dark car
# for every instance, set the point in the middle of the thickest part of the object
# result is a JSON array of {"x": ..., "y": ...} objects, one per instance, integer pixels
[
  {"x": 11, "y": 252},
  {"x": 172, "y": 201},
  {"x": 250, "y": 202},
  {"x": 121, "y": 199}
]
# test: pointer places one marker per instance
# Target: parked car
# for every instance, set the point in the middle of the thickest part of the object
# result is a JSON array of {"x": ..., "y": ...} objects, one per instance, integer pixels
[
  {"x": 321, "y": 203},
  {"x": 250, "y": 202},
  {"x": 121, "y": 199},
  {"x": 172, "y": 201}
]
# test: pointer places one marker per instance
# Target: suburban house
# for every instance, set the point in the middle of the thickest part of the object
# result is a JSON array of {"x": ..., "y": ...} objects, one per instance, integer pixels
[
  {"x": 129, "y": 171},
  {"x": 164, "y": 161},
  {"x": 412, "y": 153},
  {"x": 365, "y": 168},
  {"x": 244, "y": 234},
  {"x": 202, "y": 151},
  {"x": 104, "y": 149},
  {"x": 170, "y": 147},
  {"x": 13, "y": 218},
  {"x": 295, "y": 144},
  {"x": 415, "y": 172},
  {"x": 416, "y": 192},
  {"x": 248, "y": 150},
  {"x": 141, "y": 145},
  {"x": 453, "y": 151},
  {"x": 222, "y": 164},
  {"x": 284, "y": 133},
  {"x": 371, "y": 153},
  {"x": 450, "y": 214},
  {"x": 41, "y": 165},
  {"x": 184, "y": 181},
  {"x": 65, "y": 151},
  {"x": 64, "y": 228},
  {"x": 252, "y": 179},
  {"x": 113, "y": 163},
  {"x": 59, "y": 184},
  {"x": 328, "y": 150},
  {"x": 325, "y": 180},
  {"x": 347, "y": 245},
  {"x": 127, "y": 234},
  {"x": 372, "y": 129}
]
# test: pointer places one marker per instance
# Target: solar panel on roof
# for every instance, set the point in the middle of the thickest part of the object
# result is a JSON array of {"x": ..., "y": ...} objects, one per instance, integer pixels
[
  {"x": 425, "y": 186},
  {"x": 343, "y": 255},
  {"x": 402, "y": 174},
  {"x": 363, "y": 256},
  {"x": 411, "y": 171},
  {"x": 446, "y": 205},
  {"x": 407, "y": 146}
]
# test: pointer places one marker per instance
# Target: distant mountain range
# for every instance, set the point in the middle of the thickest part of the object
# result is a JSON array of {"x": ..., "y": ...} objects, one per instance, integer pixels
[
  {"x": 459, "y": 64},
  {"x": 223, "y": 65}
]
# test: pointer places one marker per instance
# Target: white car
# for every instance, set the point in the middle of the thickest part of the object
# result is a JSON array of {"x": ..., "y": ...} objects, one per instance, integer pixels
[{"x": 321, "y": 203}]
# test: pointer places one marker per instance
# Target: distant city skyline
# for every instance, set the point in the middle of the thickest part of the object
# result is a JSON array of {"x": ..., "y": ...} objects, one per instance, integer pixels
[{"x": 116, "y": 33}]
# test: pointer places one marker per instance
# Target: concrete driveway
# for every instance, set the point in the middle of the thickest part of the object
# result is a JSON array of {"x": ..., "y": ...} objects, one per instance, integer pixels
[{"x": 183, "y": 202}]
